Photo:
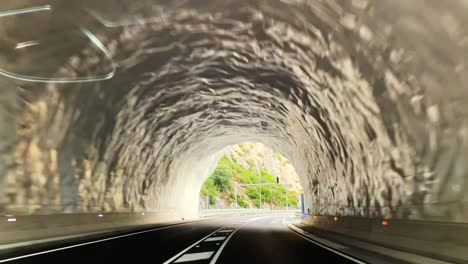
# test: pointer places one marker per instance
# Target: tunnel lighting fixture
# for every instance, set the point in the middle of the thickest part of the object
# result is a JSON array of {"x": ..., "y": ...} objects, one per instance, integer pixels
[
  {"x": 335, "y": 218},
  {"x": 11, "y": 219},
  {"x": 100, "y": 215},
  {"x": 384, "y": 223},
  {"x": 142, "y": 213}
]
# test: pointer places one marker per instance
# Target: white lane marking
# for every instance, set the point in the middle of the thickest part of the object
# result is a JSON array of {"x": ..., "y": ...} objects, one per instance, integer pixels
[
  {"x": 284, "y": 221},
  {"x": 214, "y": 239},
  {"x": 256, "y": 218},
  {"x": 39, "y": 241},
  {"x": 218, "y": 253},
  {"x": 320, "y": 240},
  {"x": 194, "y": 256},
  {"x": 191, "y": 246},
  {"x": 301, "y": 233},
  {"x": 89, "y": 243},
  {"x": 226, "y": 231}
]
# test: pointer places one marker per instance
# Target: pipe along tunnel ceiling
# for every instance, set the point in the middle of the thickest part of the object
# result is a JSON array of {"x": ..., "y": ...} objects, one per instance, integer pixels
[{"x": 120, "y": 106}]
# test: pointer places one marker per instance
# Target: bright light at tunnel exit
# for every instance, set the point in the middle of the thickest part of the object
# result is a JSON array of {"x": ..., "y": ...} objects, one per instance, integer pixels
[{"x": 263, "y": 179}]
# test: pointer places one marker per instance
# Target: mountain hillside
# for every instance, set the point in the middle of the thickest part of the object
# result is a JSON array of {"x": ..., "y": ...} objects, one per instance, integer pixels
[{"x": 242, "y": 164}]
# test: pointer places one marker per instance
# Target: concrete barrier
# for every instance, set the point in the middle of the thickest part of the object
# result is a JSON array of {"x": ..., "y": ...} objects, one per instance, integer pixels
[
  {"x": 440, "y": 240},
  {"x": 16, "y": 229}
]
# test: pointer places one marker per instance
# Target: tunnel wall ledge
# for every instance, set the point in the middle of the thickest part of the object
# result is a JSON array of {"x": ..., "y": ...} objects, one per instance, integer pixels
[
  {"x": 37, "y": 227},
  {"x": 440, "y": 240}
]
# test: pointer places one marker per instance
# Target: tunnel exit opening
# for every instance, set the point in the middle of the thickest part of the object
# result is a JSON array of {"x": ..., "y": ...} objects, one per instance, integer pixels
[{"x": 252, "y": 176}]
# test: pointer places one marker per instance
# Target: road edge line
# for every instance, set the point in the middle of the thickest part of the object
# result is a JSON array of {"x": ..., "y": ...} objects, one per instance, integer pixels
[
  {"x": 94, "y": 241},
  {"x": 303, "y": 234}
]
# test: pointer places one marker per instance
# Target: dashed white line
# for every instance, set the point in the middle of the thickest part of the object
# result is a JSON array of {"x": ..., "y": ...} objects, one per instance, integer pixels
[
  {"x": 194, "y": 256},
  {"x": 191, "y": 246},
  {"x": 214, "y": 239},
  {"x": 226, "y": 231},
  {"x": 218, "y": 252},
  {"x": 232, "y": 229}
]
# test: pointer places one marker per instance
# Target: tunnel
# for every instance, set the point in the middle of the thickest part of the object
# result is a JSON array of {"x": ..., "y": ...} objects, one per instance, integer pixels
[{"x": 122, "y": 108}]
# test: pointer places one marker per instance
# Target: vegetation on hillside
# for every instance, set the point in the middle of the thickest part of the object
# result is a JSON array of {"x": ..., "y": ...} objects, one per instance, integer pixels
[{"x": 228, "y": 173}]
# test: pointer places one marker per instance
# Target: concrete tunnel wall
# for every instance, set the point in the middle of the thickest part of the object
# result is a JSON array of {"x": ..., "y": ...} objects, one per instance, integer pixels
[{"x": 368, "y": 99}]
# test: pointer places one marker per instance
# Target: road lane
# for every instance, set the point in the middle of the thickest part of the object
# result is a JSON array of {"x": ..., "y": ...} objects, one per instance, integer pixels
[
  {"x": 269, "y": 240},
  {"x": 209, "y": 248},
  {"x": 158, "y": 245},
  {"x": 241, "y": 239}
]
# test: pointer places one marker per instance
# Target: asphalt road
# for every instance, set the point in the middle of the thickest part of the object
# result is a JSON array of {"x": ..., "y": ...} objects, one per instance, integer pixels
[{"x": 240, "y": 240}]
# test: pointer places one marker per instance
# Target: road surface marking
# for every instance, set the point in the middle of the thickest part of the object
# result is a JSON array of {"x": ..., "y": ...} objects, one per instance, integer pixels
[
  {"x": 226, "y": 231},
  {"x": 214, "y": 239},
  {"x": 218, "y": 253},
  {"x": 185, "y": 256},
  {"x": 191, "y": 246},
  {"x": 91, "y": 242},
  {"x": 194, "y": 256},
  {"x": 302, "y": 234}
]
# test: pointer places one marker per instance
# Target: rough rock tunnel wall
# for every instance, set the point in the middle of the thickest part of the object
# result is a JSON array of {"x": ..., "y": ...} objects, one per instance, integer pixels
[{"x": 368, "y": 99}]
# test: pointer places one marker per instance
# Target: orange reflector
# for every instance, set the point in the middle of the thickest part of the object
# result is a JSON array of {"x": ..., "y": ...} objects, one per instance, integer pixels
[
  {"x": 384, "y": 223},
  {"x": 335, "y": 218},
  {"x": 315, "y": 217}
]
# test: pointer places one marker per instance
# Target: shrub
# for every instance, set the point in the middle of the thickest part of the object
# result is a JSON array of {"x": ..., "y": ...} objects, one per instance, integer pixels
[
  {"x": 212, "y": 200},
  {"x": 222, "y": 179},
  {"x": 209, "y": 189},
  {"x": 228, "y": 171},
  {"x": 244, "y": 148},
  {"x": 242, "y": 203},
  {"x": 231, "y": 197},
  {"x": 278, "y": 156},
  {"x": 252, "y": 163}
]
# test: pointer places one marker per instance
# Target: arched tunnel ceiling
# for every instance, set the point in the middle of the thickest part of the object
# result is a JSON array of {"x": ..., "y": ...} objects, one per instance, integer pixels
[{"x": 366, "y": 98}]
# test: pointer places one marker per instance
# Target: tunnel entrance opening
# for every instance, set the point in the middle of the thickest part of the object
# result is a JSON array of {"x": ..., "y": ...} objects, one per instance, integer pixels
[{"x": 251, "y": 176}]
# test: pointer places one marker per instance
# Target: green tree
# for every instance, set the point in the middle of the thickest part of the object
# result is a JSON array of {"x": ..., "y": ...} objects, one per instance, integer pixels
[{"x": 222, "y": 179}]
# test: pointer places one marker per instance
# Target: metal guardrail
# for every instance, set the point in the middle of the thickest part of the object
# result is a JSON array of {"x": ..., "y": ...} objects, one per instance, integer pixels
[{"x": 212, "y": 212}]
